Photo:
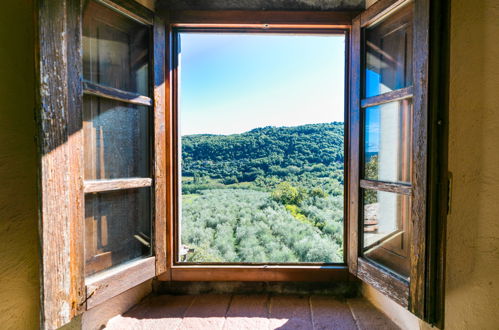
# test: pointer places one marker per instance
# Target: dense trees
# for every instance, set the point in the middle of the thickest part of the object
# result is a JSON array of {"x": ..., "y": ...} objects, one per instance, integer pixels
[
  {"x": 371, "y": 172},
  {"x": 249, "y": 226},
  {"x": 273, "y": 194},
  {"x": 267, "y": 151}
]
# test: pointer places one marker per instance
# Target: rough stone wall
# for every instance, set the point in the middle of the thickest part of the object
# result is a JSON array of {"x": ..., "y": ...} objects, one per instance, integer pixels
[
  {"x": 19, "y": 269},
  {"x": 265, "y": 4}
]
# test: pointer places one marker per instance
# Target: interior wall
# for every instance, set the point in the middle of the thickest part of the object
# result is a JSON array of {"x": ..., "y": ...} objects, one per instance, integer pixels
[
  {"x": 472, "y": 287},
  {"x": 472, "y": 265},
  {"x": 19, "y": 270}
]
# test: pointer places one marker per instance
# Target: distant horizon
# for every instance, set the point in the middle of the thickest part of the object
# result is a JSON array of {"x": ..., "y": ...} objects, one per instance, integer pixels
[
  {"x": 231, "y": 83},
  {"x": 270, "y": 126}
]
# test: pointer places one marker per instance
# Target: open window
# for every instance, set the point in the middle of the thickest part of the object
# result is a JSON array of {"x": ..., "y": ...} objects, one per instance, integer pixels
[
  {"x": 258, "y": 176},
  {"x": 231, "y": 165},
  {"x": 261, "y": 155},
  {"x": 122, "y": 149},
  {"x": 122, "y": 181},
  {"x": 103, "y": 141},
  {"x": 388, "y": 179}
]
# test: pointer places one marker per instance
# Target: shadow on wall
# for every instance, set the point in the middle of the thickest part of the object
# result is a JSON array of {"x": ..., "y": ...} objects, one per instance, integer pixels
[{"x": 19, "y": 270}]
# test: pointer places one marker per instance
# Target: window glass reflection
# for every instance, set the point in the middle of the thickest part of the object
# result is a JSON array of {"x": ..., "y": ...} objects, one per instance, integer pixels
[
  {"x": 117, "y": 228},
  {"x": 386, "y": 229},
  {"x": 387, "y": 142},
  {"x": 115, "y": 50},
  {"x": 389, "y": 54},
  {"x": 116, "y": 139}
]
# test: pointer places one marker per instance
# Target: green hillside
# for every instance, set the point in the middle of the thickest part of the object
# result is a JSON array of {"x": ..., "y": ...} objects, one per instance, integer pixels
[
  {"x": 273, "y": 194},
  {"x": 301, "y": 153}
]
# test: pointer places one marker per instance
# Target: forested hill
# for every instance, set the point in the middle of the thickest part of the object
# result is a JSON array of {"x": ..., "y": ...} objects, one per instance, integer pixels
[{"x": 267, "y": 151}]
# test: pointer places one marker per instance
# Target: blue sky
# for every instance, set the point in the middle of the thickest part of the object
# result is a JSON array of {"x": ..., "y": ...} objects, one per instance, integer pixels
[{"x": 232, "y": 83}]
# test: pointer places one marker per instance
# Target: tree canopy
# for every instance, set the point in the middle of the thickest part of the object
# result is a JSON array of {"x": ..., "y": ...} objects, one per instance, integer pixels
[{"x": 273, "y": 194}]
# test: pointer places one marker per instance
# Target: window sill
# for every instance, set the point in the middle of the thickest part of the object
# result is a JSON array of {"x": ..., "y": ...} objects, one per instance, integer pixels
[
  {"x": 107, "y": 284},
  {"x": 261, "y": 273}
]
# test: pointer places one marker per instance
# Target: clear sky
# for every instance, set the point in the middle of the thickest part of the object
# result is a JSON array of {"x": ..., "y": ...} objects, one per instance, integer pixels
[{"x": 232, "y": 83}]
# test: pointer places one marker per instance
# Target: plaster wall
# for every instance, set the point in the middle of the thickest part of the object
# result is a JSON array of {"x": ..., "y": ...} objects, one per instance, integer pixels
[
  {"x": 472, "y": 288},
  {"x": 19, "y": 269},
  {"x": 472, "y": 266}
]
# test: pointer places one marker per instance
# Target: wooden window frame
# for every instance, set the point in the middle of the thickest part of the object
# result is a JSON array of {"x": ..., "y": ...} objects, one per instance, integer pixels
[
  {"x": 117, "y": 279},
  {"x": 64, "y": 292},
  {"x": 247, "y": 22},
  {"x": 422, "y": 294},
  {"x": 385, "y": 280}
]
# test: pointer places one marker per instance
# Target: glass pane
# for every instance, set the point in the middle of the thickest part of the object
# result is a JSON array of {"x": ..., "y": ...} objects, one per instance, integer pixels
[
  {"x": 387, "y": 138},
  {"x": 389, "y": 53},
  {"x": 261, "y": 135},
  {"x": 115, "y": 50},
  {"x": 116, "y": 139},
  {"x": 117, "y": 228},
  {"x": 386, "y": 233}
]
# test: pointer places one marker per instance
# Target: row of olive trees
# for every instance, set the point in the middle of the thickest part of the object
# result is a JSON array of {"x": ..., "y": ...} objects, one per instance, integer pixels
[{"x": 226, "y": 225}]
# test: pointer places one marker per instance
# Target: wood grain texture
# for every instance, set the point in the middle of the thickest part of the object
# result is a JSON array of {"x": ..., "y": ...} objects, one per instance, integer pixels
[
  {"x": 76, "y": 161},
  {"x": 257, "y": 273},
  {"x": 346, "y": 144},
  {"x": 161, "y": 125},
  {"x": 438, "y": 176},
  {"x": 132, "y": 9},
  {"x": 260, "y": 17},
  {"x": 399, "y": 188},
  {"x": 170, "y": 148},
  {"x": 354, "y": 147},
  {"x": 175, "y": 163},
  {"x": 91, "y": 88},
  {"x": 379, "y": 10},
  {"x": 369, "y": 272},
  {"x": 60, "y": 159},
  {"x": 418, "y": 222},
  {"x": 94, "y": 186},
  {"x": 111, "y": 283},
  {"x": 386, "y": 282},
  {"x": 392, "y": 96}
]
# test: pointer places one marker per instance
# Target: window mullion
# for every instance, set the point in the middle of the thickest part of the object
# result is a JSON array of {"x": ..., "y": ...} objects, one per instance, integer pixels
[
  {"x": 399, "y": 188},
  {"x": 162, "y": 171},
  {"x": 392, "y": 96},
  {"x": 90, "y": 88},
  {"x": 93, "y": 186}
]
